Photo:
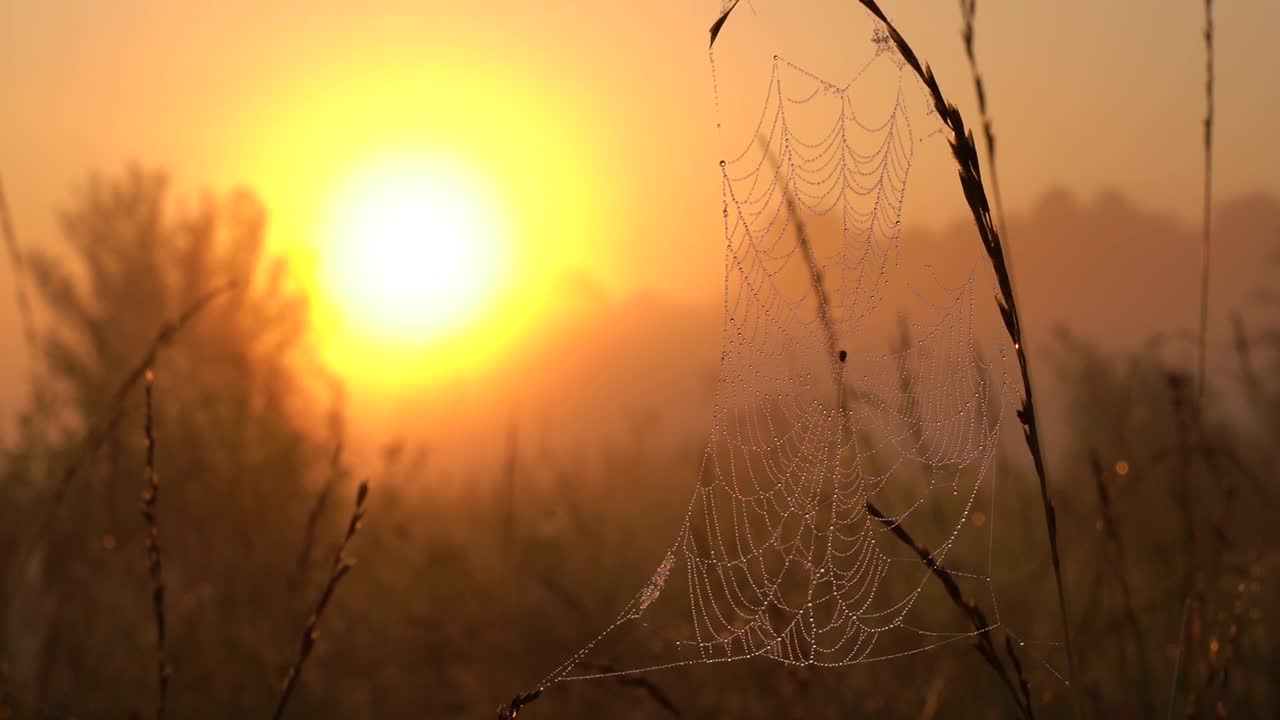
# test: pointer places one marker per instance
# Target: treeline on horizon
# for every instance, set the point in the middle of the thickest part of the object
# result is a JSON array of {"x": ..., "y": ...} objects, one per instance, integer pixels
[{"x": 457, "y": 598}]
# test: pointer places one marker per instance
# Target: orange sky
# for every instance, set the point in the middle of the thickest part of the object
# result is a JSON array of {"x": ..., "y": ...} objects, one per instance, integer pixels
[
  {"x": 621, "y": 89},
  {"x": 595, "y": 121}
]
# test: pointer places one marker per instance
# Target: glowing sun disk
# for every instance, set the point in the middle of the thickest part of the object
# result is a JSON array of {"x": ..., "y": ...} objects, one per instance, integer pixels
[{"x": 415, "y": 251}]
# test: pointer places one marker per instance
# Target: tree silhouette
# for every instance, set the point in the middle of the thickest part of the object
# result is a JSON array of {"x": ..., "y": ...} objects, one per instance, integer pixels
[{"x": 236, "y": 448}]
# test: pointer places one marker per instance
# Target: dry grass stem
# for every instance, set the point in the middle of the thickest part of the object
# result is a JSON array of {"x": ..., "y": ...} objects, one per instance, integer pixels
[
  {"x": 1112, "y": 534},
  {"x": 510, "y": 464},
  {"x": 719, "y": 23},
  {"x": 578, "y": 609},
  {"x": 1252, "y": 382},
  {"x": 1220, "y": 659},
  {"x": 18, "y": 267},
  {"x": 1177, "y": 658},
  {"x": 98, "y": 433},
  {"x": 150, "y": 500},
  {"x": 933, "y": 697},
  {"x": 341, "y": 566},
  {"x": 313, "y": 518},
  {"x": 1183, "y": 489},
  {"x": 1208, "y": 200},
  {"x": 986, "y": 648},
  {"x": 1020, "y": 691},
  {"x": 655, "y": 693},
  {"x": 969, "y": 11},
  {"x": 966, "y": 155},
  {"x": 511, "y": 710}
]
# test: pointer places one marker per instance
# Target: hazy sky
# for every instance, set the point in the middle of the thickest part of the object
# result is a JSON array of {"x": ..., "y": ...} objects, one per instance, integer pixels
[
  {"x": 596, "y": 121},
  {"x": 1088, "y": 95}
]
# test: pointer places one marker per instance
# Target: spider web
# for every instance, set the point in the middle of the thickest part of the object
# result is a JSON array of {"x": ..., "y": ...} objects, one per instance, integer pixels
[{"x": 851, "y": 373}]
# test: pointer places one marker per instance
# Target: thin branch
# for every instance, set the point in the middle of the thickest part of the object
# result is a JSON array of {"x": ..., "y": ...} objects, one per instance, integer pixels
[
  {"x": 966, "y": 155},
  {"x": 969, "y": 11},
  {"x": 933, "y": 697},
  {"x": 1112, "y": 534},
  {"x": 313, "y": 518},
  {"x": 1205, "y": 255},
  {"x": 19, "y": 269},
  {"x": 150, "y": 498},
  {"x": 510, "y": 465},
  {"x": 1177, "y": 658},
  {"x": 639, "y": 682},
  {"x": 98, "y": 433},
  {"x": 985, "y": 647},
  {"x": 341, "y": 566},
  {"x": 1248, "y": 373},
  {"x": 719, "y": 23},
  {"x": 511, "y": 710},
  {"x": 982, "y": 627},
  {"x": 576, "y": 607}
]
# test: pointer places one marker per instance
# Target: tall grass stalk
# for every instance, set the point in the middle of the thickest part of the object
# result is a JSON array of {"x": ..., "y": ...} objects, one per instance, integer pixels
[
  {"x": 1177, "y": 658},
  {"x": 639, "y": 682},
  {"x": 1112, "y": 535},
  {"x": 966, "y": 156},
  {"x": 341, "y": 566},
  {"x": 98, "y": 433},
  {"x": 510, "y": 465},
  {"x": 969, "y": 12},
  {"x": 511, "y": 710},
  {"x": 1206, "y": 237},
  {"x": 1249, "y": 378},
  {"x": 313, "y": 518},
  {"x": 1020, "y": 691},
  {"x": 18, "y": 268},
  {"x": 155, "y": 568}
]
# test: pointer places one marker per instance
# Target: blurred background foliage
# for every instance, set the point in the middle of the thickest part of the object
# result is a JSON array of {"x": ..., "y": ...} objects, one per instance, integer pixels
[{"x": 466, "y": 592}]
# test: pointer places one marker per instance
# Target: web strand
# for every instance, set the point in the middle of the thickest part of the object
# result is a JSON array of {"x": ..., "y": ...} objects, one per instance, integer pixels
[{"x": 815, "y": 416}]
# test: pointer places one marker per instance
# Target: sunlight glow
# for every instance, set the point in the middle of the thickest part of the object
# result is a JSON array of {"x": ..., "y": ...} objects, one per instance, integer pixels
[
  {"x": 429, "y": 222},
  {"x": 415, "y": 252}
]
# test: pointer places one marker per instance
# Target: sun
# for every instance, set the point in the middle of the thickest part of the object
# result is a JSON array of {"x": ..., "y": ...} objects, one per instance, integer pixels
[{"x": 414, "y": 251}]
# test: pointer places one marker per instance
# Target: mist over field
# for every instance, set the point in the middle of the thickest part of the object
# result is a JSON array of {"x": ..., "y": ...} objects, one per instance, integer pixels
[
  {"x": 612, "y": 363},
  {"x": 412, "y": 360}
]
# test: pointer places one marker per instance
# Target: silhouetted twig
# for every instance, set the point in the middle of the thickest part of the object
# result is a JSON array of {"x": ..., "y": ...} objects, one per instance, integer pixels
[
  {"x": 150, "y": 498},
  {"x": 719, "y": 23},
  {"x": 98, "y": 432},
  {"x": 1184, "y": 421},
  {"x": 982, "y": 635},
  {"x": 816, "y": 280},
  {"x": 1223, "y": 652},
  {"x": 19, "y": 269},
  {"x": 1177, "y": 658},
  {"x": 1126, "y": 594},
  {"x": 969, "y": 11},
  {"x": 1205, "y": 247},
  {"x": 511, "y": 710},
  {"x": 1023, "y": 684},
  {"x": 655, "y": 693},
  {"x": 966, "y": 155},
  {"x": 1248, "y": 373},
  {"x": 313, "y": 518},
  {"x": 574, "y": 605},
  {"x": 933, "y": 697},
  {"x": 341, "y": 566},
  {"x": 837, "y": 358},
  {"x": 509, "y": 466}
]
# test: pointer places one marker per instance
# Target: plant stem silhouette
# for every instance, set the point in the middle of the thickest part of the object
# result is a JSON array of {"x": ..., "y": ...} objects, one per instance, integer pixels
[
  {"x": 965, "y": 152},
  {"x": 155, "y": 568},
  {"x": 341, "y": 566}
]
